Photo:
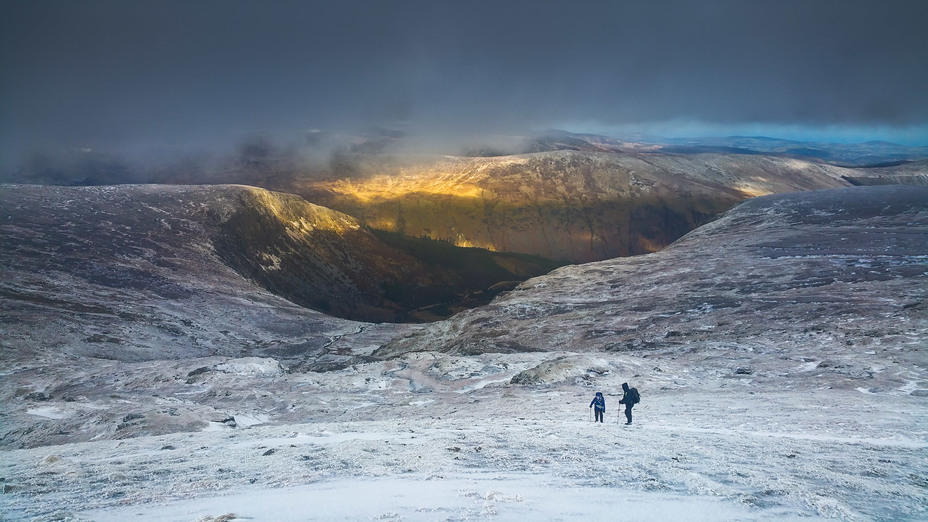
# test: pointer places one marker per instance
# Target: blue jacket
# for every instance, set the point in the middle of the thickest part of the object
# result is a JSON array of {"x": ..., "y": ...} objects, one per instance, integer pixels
[{"x": 599, "y": 401}]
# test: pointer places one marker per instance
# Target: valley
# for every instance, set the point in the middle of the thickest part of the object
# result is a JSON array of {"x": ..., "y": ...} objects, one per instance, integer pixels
[
  {"x": 571, "y": 206},
  {"x": 404, "y": 261},
  {"x": 132, "y": 244},
  {"x": 779, "y": 351}
]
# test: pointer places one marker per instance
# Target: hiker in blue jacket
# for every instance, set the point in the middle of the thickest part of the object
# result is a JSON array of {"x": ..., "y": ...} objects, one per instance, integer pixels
[{"x": 600, "y": 406}]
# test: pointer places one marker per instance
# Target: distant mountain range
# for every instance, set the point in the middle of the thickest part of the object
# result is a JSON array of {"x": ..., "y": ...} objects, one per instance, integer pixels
[
  {"x": 381, "y": 235},
  {"x": 866, "y": 154}
]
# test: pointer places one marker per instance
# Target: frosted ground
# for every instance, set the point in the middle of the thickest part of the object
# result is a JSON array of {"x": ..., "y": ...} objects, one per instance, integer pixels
[
  {"x": 779, "y": 351},
  {"x": 404, "y": 443}
]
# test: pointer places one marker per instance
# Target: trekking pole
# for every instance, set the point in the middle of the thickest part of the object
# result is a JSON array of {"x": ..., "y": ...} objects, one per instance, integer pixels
[{"x": 591, "y": 414}]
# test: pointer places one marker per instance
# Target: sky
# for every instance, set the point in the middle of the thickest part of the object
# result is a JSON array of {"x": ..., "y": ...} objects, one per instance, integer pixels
[{"x": 130, "y": 75}]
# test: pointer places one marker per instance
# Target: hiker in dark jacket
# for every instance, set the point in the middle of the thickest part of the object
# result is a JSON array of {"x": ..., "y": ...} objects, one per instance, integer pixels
[
  {"x": 628, "y": 400},
  {"x": 600, "y": 403}
]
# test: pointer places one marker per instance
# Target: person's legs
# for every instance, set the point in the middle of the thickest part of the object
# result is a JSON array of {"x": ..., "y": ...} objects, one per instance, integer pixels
[
  {"x": 599, "y": 415},
  {"x": 628, "y": 413}
]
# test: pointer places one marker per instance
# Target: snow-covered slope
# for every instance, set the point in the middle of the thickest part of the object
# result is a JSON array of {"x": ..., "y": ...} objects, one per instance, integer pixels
[
  {"x": 80, "y": 251},
  {"x": 779, "y": 351},
  {"x": 134, "y": 273},
  {"x": 840, "y": 276}
]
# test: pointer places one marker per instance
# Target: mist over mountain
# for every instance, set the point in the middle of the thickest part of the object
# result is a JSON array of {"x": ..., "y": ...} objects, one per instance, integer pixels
[
  {"x": 370, "y": 260},
  {"x": 264, "y": 159},
  {"x": 576, "y": 198},
  {"x": 108, "y": 75}
]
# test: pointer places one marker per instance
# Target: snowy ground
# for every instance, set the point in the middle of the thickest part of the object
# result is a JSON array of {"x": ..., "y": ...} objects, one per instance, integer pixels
[
  {"x": 401, "y": 441},
  {"x": 779, "y": 351}
]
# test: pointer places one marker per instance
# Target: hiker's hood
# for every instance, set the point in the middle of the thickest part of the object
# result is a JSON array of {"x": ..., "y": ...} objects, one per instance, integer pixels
[{"x": 625, "y": 386}]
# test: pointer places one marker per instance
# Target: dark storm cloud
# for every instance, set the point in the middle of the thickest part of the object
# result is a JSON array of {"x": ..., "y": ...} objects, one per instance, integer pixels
[{"x": 127, "y": 73}]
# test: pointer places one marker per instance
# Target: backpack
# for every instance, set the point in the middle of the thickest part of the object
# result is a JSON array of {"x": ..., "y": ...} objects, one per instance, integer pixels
[{"x": 633, "y": 395}]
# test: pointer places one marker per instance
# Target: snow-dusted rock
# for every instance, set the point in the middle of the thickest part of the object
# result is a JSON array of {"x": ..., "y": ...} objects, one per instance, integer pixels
[{"x": 251, "y": 366}]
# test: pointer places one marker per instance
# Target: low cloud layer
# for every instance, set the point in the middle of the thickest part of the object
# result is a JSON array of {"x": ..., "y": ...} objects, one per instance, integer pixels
[{"x": 176, "y": 74}]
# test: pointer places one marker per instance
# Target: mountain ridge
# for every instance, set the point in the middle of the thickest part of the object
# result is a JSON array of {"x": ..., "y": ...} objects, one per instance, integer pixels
[
  {"x": 565, "y": 205},
  {"x": 576, "y": 198},
  {"x": 148, "y": 271}
]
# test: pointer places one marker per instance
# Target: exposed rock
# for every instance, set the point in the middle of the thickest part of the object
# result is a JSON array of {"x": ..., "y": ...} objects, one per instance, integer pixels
[
  {"x": 11, "y": 488},
  {"x": 199, "y": 371},
  {"x": 558, "y": 370}
]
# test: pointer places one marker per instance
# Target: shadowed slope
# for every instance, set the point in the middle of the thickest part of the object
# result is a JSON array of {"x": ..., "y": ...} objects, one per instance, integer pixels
[
  {"x": 569, "y": 205},
  {"x": 132, "y": 273},
  {"x": 812, "y": 268},
  {"x": 153, "y": 271},
  {"x": 327, "y": 261}
]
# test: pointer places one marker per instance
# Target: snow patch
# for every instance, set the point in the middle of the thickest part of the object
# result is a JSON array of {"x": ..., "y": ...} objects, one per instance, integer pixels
[
  {"x": 49, "y": 412},
  {"x": 252, "y": 367},
  {"x": 246, "y": 420}
]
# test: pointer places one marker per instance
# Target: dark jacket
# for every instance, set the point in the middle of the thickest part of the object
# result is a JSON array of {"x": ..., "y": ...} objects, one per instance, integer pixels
[
  {"x": 626, "y": 396},
  {"x": 599, "y": 402}
]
